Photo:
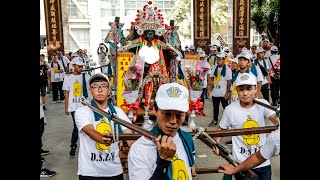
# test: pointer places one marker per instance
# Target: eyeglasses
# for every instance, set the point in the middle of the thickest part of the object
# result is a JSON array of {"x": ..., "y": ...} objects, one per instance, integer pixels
[{"x": 103, "y": 87}]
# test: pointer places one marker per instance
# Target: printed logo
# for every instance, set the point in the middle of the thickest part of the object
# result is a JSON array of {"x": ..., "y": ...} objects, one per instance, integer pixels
[
  {"x": 244, "y": 77},
  {"x": 174, "y": 92}
]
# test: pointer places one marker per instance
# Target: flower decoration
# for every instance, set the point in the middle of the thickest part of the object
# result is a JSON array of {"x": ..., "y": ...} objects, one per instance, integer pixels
[
  {"x": 133, "y": 77},
  {"x": 195, "y": 74}
]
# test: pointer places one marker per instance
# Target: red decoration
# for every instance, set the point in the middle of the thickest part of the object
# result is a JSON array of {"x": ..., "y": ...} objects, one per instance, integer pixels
[
  {"x": 134, "y": 106},
  {"x": 155, "y": 8},
  {"x": 132, "y": 23},
  {"x": 117, "y": 24},
  {"x": 150, "y": 2},
  {"x": 196, "y": 106},
  {"x": 172, "y": 27},
  {"x": 138, "y": 11}
]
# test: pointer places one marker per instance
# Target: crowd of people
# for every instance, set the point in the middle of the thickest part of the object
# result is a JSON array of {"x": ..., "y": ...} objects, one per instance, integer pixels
[{"x": 234, "y": 81}]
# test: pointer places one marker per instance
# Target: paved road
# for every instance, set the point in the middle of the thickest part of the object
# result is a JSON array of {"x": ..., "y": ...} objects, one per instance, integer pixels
[{"x": 57, "y": 137}]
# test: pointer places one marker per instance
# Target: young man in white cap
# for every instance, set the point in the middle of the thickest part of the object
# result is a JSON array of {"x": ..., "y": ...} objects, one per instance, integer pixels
[
  {"x": 268, "y": 150},
  {"x": 221, "y": 77},
  {"x": 207, "y": 81},
  {"x": 55, "y": 78},
  {"x": 262, "y": 64},
  {"x": 246, "y": 114},
  {"x": 75, "y": 87},
  {"x": 171, "y": 156},
  {"x": 274, "y": 71},
  {"x": 212, "y": 57},
  {"x": 263, "y": 38},
  {"x": 99, "y": 155}
]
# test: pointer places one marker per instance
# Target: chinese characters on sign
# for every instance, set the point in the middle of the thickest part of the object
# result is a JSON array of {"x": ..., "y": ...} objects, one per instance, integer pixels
[
  {"x": 124, "y": 59},
  {"x": 241, "y": 25},
  {"x": 54, "y": 31},
  {"x": 202, "y": 25}
]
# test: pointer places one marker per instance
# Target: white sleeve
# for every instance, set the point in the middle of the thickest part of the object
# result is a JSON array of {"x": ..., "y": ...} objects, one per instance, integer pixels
[
  {"x": 272, "y": 145},
  {"x": 259, "y": 77},
  {"x": 225, "y": 119},
  {"x": 229, "y": 74},
  {"x": 212, "y": 71},
  {"x": 137, "y": 165},
  {"x": 65, "y": 85},
  {"x": 82, "y": 118},
  {"x": 66, "y": 60}
]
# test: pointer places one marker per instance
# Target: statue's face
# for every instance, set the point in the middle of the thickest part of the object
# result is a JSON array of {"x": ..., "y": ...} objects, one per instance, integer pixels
[{"x": 148, "y": 35}]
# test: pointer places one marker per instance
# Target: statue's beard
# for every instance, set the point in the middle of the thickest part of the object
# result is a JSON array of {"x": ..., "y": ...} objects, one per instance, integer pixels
[{"x": 149, "y": 54}]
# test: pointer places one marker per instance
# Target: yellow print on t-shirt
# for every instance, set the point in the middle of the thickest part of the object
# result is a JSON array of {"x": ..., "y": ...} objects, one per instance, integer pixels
[
  {"x": 234, "y": 90},
  {"x": 251, "y": 139},
  {"x": 179, "y": 169},
  {"x": 103, "y": 127},
  {"x": 217, "y": 79},
  {"x": 55, "y": 69},
  {"x": 77, "y": 89}
]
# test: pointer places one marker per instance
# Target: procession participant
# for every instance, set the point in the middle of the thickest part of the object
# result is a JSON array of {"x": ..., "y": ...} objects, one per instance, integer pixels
[
  {"x": 221, "y": 77},
  {"x": 98, "y": 155},
  {"x": 261, "y": 63},
  {"x": 55, "y": 79},
  {"x": 206, "y": 81},
  {"x": 268, "y": 150},
  {"x": 246, "y": 114},
  {"x": 75, "y": 87},
  {"x": 172, "y": 154}
]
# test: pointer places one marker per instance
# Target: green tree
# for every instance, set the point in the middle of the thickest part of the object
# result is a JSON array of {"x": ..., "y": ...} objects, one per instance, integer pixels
[
  {"x": 219, "y": 15},
  {"x": 181, "y": 14},
  {"x": 265, "y": 17}
]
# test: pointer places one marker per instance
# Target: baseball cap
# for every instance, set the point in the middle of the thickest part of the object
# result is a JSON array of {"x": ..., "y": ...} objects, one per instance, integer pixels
[
  {"x": 213, "y": 48},
  {"x": 235, "y": 59},
  {"x": 77, "y": 61},
  {"x": 259, "y": 50},
  {"x": 274, "y": 48},
  {"x": 74, "y": 54},
  {"x": 199, "y": 49},
  {"x": 192, "y": 47},
  {"x": 100, "y": 76},
  {"x": 246, "y": 79},
  {"x": 202, "y": 54},
  {"x": 245, "y": 55},
  {"x": 221, "y": 55},
  {"x": 172, "y": 96},
  {"x": 226, "y": 49},
  {"x": 263, "y": 34}
]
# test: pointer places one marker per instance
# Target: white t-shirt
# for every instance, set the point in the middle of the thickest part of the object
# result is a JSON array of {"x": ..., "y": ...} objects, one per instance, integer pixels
[
  {"x": 96, "y": 159},
  {"x": 264, "y": 79},
  {"x": 55, "y": 75},
  {"x": 274, "y": 58},
  {"x": 220, "y": 82},
  {"x": 65, "y": 61},
  {"x": 74, "y": 84},
  {"x": 235, "y": 117},
  {"x": 272, "y": 145},
  {"x": 41, "y": 110},
  {"x": 259, "y": 73},
  {"x": 142, "y": 159}
]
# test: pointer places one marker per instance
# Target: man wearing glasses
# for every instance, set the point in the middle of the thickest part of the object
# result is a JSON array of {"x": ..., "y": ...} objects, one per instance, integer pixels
[
  {"x": 75, "y": 87},
  {"x": 99, "y": 155}
]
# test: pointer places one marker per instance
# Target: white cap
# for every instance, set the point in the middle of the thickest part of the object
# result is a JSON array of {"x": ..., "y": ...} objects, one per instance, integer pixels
[
  {"x": 202, "y": 54},
  {"x": 244, "y": 49},
  {"x": 229, "y": 55},
  {"x": 213, "y": 48},
  {"x": 225, "y": 49},
  {"x": 274, "y": 48},
  {"x": 199, "y": 49},
  {"x": 101, "y": 46},
  {"x": 172, "y": 96},
  {"x": 235, "y": 59},
  {"x": 259, "y": 50},
  {"x": 246, "y": 79},
  {"x": 192, "y": 47},
  {"x": 186, "y": 46},
  {"x": 263, "y": 34},
  {"x": 74, "y": 54},
  {"x": 99, "y": 75},
  {"x": 221, "y": 54},
  {"x": 178, "y": 58},
  {"x": 77, "y": 61},
  {"x": 245, "y": 55}
]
